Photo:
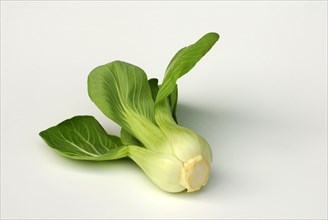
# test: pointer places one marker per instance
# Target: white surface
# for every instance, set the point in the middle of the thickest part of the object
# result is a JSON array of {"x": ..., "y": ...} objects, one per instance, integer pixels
[{"x": 259, "y": 98}]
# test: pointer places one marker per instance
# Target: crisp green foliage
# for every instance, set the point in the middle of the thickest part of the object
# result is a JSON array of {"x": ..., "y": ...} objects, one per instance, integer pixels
[
  {"x": 183, "y": 62},
  {"x": 119, "y": 87},
  {"x": 173, "y": 102},
  {"x": 146, "y": 112},
  {"x": 83, "y": 138},
  {"x": 121, "y": 91},
  {"x": 128, "y": 139}
]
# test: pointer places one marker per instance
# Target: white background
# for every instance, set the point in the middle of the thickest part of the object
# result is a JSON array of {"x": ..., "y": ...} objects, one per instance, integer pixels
[{"x": 259, "y": 97}]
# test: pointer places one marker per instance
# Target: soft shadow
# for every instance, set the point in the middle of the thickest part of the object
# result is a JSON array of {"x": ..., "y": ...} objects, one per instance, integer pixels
[
  {"x": 199, "y": 119},
  {"x": 212, "y": 122}
]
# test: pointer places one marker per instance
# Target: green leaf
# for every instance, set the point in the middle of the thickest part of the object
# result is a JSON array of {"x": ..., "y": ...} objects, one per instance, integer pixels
[
  {"x": 118, "y": 88},
  {"x": 173, "y": 102},
  {"x": 173, "y": 97},
  {"x": 83, "y": 138},
  {"x": 121, "y": 91},
  {"x": 183, "y": 62},
  {"x": 128, "y": 139}
]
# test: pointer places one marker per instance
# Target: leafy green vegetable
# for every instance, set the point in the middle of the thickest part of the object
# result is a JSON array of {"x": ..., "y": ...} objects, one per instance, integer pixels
[
  {"x": 121, "y": 91},
  {"x": 183, "y": 62},
  {"x": 174, "y": 157},
  {"x": 129, "y": 139},
  {"x": 83, "y": 138},
  {"x": 173, "y": 97}
]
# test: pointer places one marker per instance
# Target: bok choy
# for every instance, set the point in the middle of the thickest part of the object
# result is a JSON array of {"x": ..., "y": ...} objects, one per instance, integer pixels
[{"x": 175, "y": 158}]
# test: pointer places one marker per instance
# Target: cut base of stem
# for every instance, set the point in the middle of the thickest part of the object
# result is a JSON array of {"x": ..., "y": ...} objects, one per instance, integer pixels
[{"x": 195, "y": 173}]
